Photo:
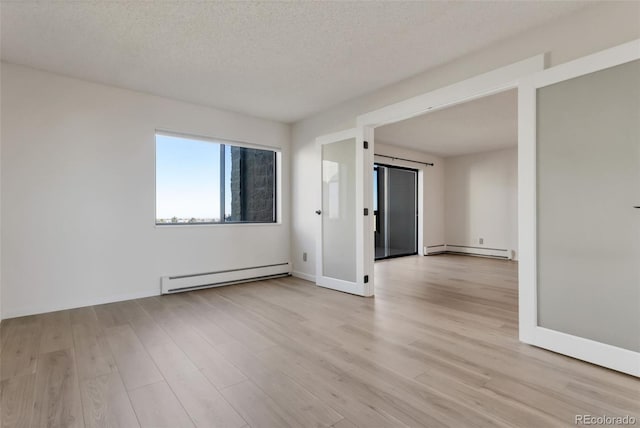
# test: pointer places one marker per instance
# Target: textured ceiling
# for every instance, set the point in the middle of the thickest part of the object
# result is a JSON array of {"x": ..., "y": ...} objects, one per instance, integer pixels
[
  {"x": 278, "y": 60},
  {"x": 488, "y": 123}
]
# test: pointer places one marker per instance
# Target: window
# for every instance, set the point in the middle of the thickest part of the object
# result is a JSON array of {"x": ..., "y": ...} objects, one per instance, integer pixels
[{"x": 201, "y": 182}]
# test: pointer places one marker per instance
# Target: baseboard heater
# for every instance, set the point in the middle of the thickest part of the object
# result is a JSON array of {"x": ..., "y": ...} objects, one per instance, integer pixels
[
  {"x": 180, "y": 283},
  {"x": 498, "y": 253}
]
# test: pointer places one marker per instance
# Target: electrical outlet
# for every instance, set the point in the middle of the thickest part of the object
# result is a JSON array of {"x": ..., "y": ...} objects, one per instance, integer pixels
[
  {"x": 481, "y": 241},
  {"x": 304, "y": 257}
]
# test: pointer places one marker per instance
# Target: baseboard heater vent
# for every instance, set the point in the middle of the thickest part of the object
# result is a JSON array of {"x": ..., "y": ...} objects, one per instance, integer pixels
[
  {"x": 180, "y": 283},
  {"x": 498, "y": 253}
]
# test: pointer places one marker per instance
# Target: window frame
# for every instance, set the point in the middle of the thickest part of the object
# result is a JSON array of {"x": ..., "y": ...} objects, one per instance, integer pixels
[{"x": 223, "y": 143}]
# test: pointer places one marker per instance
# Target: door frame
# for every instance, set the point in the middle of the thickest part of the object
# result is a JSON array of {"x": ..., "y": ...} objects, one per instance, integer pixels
[
  {"x": 599, "y": 353},
  {"x": 361, "y": 286}
]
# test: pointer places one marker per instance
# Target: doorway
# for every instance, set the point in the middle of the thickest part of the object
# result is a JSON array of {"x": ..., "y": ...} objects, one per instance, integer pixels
[
  {"x": 580, "y": 340},
  {"x": 395, "y": 210}
]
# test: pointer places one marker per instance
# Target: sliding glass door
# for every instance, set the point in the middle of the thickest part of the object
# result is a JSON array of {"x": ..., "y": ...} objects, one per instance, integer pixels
[{"x": 396, "y": 211}]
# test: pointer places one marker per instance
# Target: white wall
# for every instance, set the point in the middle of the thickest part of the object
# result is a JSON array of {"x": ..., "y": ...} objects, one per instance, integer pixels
[
  {"x": 481, "y": 199},
  {"x": 0, "y": 199},
  {"x": 593, "y": 29},
  {"x": 78, "y": 194}
]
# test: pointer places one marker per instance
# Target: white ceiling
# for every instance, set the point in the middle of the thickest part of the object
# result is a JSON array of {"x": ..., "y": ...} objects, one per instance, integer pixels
[
  {"x": 488, "y": 123},
  {"x": 278, "y": 60}
]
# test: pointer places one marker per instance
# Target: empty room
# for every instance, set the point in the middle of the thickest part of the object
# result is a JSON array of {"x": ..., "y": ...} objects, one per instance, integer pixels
[{"x": 319, "y": 214}]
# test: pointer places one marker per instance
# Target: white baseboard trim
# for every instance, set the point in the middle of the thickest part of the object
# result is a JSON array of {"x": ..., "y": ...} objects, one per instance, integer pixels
[
  {"x": 612, "y": 357},
  {"x": 304, "y": 276},
  {"x": 42, "y": 309},
  {"x": 478, "y": 251},
  {"x": 434, "y": 249}
]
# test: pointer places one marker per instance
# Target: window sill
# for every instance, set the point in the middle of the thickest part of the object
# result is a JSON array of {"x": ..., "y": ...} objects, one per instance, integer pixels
[{"x": 189, "y": 225}]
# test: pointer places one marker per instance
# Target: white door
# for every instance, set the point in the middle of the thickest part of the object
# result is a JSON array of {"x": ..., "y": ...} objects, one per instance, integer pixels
[
  {"x": 342, "y": 248},
  {"x": 580, "y": 222}
]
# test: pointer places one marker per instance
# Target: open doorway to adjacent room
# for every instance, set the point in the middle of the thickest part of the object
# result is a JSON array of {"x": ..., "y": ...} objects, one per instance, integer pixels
[{"x": 461, "y": 163}]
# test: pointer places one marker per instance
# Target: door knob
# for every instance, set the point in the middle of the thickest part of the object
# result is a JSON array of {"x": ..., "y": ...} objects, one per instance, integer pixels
[{"x": 318, "y": 212}]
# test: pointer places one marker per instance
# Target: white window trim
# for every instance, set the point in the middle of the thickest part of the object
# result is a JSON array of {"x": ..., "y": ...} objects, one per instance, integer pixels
[{"x": 226, "y": 141}]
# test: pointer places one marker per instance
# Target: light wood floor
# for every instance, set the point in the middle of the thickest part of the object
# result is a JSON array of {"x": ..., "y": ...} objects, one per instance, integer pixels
[{"x": 436, "y": 347}]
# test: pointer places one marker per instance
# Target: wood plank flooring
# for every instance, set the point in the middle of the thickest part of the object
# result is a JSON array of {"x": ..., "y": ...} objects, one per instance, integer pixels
[{"x": 436, "y": 347}]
